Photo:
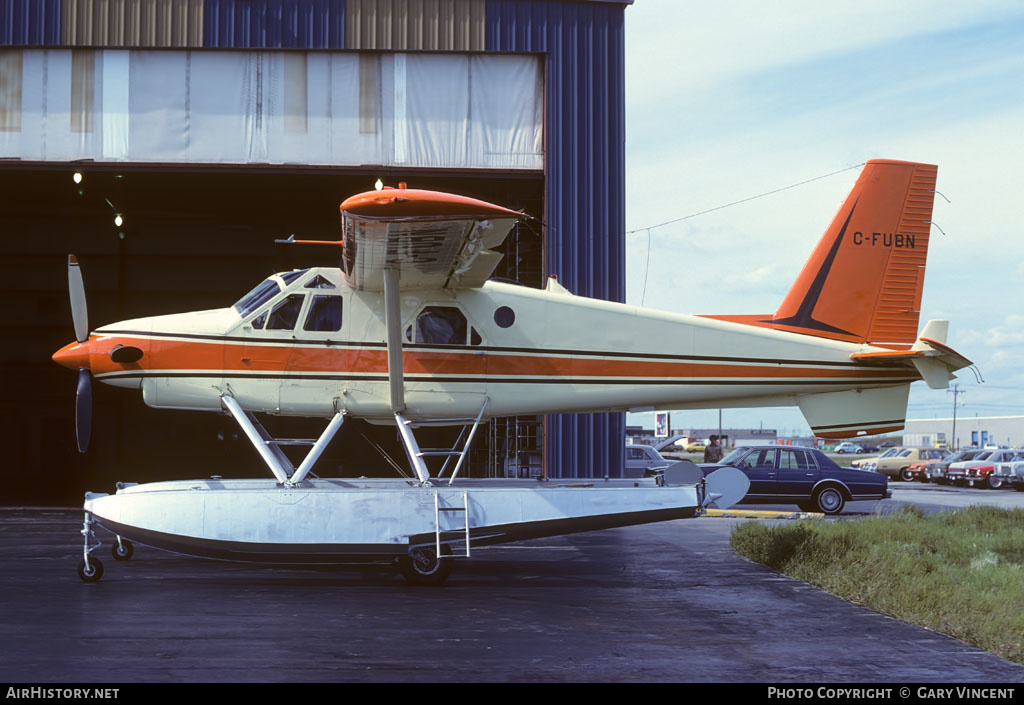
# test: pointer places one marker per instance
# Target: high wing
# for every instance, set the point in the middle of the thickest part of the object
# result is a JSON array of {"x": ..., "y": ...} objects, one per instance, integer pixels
[{"x": 430, "y": 239}]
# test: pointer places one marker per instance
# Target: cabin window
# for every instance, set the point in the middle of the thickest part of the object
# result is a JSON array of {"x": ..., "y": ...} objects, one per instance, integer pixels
[
  {"x": 319, "y": 282},
  {"x": 324, "y": 314},
  {"x": 504, "y": 316},
  {"x": 260, "y": 320},
  {"x": 286, "y": 314},
  {"x": 441, "y": 325}
]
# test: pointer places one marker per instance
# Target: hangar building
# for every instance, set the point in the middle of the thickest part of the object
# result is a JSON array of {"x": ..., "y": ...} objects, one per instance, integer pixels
[{"x": 209, "y": 128}]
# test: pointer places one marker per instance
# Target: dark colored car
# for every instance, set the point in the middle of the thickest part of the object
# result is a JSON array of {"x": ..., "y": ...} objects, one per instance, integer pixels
[{"x": 802, "y": 476}]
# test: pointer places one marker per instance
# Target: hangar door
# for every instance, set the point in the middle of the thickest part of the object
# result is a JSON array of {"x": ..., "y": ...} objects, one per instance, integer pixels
[{"x": 208, "y": 157}]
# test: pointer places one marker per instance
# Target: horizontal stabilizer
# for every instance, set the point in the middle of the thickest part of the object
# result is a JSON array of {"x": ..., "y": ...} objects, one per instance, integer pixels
[
  {"x": 934, "y": 360},
  {"x": 855, "y": 412}
]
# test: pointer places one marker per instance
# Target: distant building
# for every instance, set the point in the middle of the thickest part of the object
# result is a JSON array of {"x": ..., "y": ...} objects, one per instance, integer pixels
[
  {"x": 970, "y": 431},
  {"x": 733, "y": 436}
]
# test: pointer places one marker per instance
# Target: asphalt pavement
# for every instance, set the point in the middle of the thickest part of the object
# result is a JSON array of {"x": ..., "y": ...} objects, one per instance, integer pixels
[{"x": 660, "y": 602}]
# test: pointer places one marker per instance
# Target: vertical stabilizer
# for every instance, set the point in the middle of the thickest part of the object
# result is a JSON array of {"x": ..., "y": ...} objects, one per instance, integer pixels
[{"x": 863, "y": 281}]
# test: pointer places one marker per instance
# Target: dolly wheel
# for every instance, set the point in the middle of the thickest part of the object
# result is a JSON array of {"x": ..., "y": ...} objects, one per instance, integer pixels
[
  {"x": 122, "y": 550},
  {"x": 92, "y": 573},
  {"x": 423, "y": 567}
]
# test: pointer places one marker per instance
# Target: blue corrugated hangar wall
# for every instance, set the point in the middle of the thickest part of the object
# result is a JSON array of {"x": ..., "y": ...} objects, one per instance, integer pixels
[{"x": 583, "y": 43}]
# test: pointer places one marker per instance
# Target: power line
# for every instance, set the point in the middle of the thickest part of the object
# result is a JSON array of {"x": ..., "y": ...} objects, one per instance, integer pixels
[{"x": 744, "y": 200}]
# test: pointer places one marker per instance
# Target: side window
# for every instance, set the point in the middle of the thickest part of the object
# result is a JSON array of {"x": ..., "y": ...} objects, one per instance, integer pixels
[
  {"x": 764, "y": 458},
  {"x": 318, "y": 282},
  {"x": 286, "y": 314},
  {"x": 793, "y": 460},
  {"x": 324, "y": 314},
  {"x": 441, "y": 325}
]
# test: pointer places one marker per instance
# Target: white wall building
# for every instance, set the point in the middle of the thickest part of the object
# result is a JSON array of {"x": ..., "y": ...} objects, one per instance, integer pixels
[{"x": 970, "y": 431}]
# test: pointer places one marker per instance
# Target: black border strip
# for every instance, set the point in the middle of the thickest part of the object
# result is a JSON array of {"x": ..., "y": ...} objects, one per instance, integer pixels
[
  {"x": 486, "y": 349},
  {"x": 247, "y": 552},
  {"x": 826, "y": 381},
  {"x": 890, "y": 422}
]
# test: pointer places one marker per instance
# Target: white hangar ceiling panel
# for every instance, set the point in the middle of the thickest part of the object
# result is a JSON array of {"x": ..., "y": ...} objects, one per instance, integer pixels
[{"x": 241, "y": 107}]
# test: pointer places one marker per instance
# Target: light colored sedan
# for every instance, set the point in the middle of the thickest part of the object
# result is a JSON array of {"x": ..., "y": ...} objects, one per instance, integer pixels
[
  {"x": 898, "y": 464},
  {"x": 643, "y": 461}
]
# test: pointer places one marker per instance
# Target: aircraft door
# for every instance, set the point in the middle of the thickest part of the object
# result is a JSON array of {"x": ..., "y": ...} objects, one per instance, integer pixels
[
  {"x": 269, "y": 341},
  {"x": 448, "y": 359},
  {"x": 318, "y": 358}
]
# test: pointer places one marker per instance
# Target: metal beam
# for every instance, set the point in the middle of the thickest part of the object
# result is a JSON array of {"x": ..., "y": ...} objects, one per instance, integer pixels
[
  {"x": 412, "y": 450},
  {"x": 393, "y": 325},
  {"x": 318, "y": 448},
  {"x": 259, "y": 440}
]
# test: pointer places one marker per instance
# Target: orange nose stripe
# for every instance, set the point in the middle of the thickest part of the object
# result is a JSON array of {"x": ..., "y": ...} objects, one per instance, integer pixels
[{"x": 74, "y": 356}]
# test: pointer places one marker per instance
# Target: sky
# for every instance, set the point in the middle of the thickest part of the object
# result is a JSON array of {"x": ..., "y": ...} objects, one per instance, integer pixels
[{"x": 726, "y": 100}]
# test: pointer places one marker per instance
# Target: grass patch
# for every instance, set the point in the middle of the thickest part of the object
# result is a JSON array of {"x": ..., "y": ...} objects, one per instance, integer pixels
[{"x": 960, "y": 573}]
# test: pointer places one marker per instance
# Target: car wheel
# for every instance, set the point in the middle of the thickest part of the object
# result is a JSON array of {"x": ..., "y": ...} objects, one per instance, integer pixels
[
  {"x": 906, "y": 475},
  {"x": 993, "y": 483},
  {"x": 829, "y": 500}
]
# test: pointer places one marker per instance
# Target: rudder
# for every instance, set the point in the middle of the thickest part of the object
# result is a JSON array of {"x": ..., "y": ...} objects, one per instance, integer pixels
[{"x": 863, "y": 282}]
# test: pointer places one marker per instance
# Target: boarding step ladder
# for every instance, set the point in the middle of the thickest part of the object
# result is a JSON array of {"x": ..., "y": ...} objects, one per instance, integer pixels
[{"x": 438, "y": 510}]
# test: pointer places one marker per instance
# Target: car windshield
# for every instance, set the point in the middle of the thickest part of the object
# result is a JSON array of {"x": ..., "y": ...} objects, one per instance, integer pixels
[
  {"x": 734, "y": 457},
  {"x": 890, "y": 452}
]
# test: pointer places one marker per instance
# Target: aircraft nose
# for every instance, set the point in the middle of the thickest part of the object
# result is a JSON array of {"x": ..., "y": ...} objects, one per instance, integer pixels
[{"x": 74, "y": 356}]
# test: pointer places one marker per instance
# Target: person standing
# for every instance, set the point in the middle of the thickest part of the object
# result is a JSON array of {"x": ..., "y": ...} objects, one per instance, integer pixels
[{"x": 713, "y": 451}]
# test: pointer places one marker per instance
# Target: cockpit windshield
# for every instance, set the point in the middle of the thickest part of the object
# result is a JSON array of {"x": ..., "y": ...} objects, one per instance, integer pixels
[{"x": 265, "y": 291}]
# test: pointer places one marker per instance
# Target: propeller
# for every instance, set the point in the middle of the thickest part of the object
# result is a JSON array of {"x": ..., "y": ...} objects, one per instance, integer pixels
[
  {"x": 83, "y": 410},
  {"x": 79, "y": 311},
  {"x": 79, "y": 355},
  {"x": 80, "y": 318}
]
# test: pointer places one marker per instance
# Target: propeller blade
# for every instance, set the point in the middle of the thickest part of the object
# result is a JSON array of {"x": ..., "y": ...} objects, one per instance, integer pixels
[
  {"x": 83, "y": 410},
  {"x": 79, "y": 312}
]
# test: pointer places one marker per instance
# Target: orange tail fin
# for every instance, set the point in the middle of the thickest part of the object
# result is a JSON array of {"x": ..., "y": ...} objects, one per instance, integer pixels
[{"x": 863, "y": 281}]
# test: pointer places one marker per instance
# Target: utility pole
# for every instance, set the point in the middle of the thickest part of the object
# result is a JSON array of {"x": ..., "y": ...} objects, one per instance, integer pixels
[{"x": 955, "y": 391}]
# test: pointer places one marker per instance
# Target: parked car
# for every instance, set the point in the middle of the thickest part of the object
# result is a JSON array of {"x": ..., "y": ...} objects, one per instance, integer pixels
[
  {"x": 898, "y": 464},
  {"x": 980, "y": 470},
  {"x": 802, "y": 476},
  {"x": 936, "y": 472},
  {"x": 697, "y": 446},
  {"x": 1012, "y": 473},
  {"x": 848, "y": 447},
  {"x": 868, "y": 448},
  {"x": 644, "y": 461},
  {"x": 859, "y": 463}
]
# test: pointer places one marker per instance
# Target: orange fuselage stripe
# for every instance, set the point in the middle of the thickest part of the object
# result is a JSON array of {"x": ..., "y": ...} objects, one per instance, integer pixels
[{"x": 178, "y": 355}]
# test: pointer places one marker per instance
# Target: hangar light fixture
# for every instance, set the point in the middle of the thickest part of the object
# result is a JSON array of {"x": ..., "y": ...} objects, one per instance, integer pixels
[
  {"x": 118, "y": 220},
  {"x": 378, "y": 185},
  {"x": 77, "y": 178}
]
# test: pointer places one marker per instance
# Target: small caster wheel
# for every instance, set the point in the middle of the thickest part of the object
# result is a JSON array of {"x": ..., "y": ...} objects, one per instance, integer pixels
[
  {"x": 92, "y": 573},
  {"x": 423, "y": 566},
  {"x": 123, "y": 550}
]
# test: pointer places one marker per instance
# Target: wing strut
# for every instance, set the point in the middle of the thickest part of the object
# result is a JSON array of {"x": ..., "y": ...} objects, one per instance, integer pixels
[
  {"x": 269, "y": 447},
  {"x": 393, "y": 324}
]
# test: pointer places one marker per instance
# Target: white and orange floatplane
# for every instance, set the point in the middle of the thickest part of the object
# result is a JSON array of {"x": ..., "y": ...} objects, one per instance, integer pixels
[{"x": 411, "y": 331}]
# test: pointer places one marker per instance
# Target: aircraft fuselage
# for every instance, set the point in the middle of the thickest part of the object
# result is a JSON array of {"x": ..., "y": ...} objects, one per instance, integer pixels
[{"x": 529, "y": 351}]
